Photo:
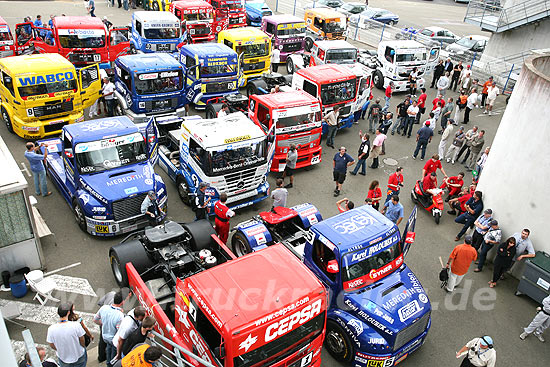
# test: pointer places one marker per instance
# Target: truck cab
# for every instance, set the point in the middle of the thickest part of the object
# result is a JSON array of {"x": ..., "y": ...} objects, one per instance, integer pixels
[
  {"x": 155, "y": 31},
  {"x": 296, "y": 116},
  {"x": 255, "y": 11},
  {"x": 228, "y": 14},
  {"x": 214, "y": 66},
  {"x": 287, "y": 33},
  {"x": 103, "y": 169},
  {"x": 197, "y": 20},
  {"x": 42, "y": 93},
  {"x": 7, "y": 44},
  {"x": 82, "y": 40},
  {"x": 254, "y": 46},
  {"x": 147, "y": 85},
  {"x": 324, "y": 23},
  {"x": 332, "y": 85},
  {"x": 231, "y": 154}
]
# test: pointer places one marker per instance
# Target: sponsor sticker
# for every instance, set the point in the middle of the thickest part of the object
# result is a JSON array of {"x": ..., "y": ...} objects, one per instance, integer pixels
[{"x": 409, "y": 310}]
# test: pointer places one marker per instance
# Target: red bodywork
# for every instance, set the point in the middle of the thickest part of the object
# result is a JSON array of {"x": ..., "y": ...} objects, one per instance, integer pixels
[
  {"x": 306, "y": 135},
  {"x": 230, "y": 306},
  {"x": 228, "y": 14},
  {"x": 7, "y": 43},
  {"x": 437, "y": 200},
  {"x": 198, "y": 30},
  {"x": 69, "y": 39}
]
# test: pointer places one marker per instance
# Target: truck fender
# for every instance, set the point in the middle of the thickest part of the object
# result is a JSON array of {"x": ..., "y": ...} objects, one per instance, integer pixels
[
  {"x": 256, "y": 233},
  {"x": 89, "y": 204},
  {"x": 121, "y": 100},
  {"x": 308, "y": 213},
  {"x": 297, "y": 60}
]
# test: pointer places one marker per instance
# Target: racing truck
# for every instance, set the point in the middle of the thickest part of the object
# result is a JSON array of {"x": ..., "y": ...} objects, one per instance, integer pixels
[
  {"x": 82, "y": 40},
  {"x": 266, "y": 83},
  {"x": 104, "y": 169},
  {"x": 228, "y": 14},
  {"x": 156, "y": 5},
  {"x": 215, "y": 306},
  {"x": 7, "y": 44},
  {"x": 379, "y": 312},
  {"x": 324, "y": 24},
  {"x": 155, "y": 31},
  {"x": 288, "y": 34},
  {"x": 395, "y": 60},
  {"x": 255, "y": 11},
  {"x": 231, "y": 154},
  {"x": 196, "y": 18}
]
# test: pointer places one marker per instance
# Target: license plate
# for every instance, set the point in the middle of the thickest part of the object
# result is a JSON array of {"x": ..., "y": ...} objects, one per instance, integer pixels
[
  {"x": 371, "y": 363},
  {"x": 315, "y": 159},
  {"x": 101, "y": 229},
  {"x": 242, "y": 196},
  {"x": 163, "y": 47}
]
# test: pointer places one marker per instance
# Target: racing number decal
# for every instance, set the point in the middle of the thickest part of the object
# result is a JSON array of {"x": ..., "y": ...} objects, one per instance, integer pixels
[
  {"x": 306, "y": 360},
  {"x": 195, "y": 180}
]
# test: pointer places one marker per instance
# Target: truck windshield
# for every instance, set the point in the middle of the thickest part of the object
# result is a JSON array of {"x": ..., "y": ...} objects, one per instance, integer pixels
[
  {"x": 161, "y": 33},
  {"x": 256, "y": 50},
  {"x": 342, "y": 56},
  {"x": 102, "y": 155},
  {"x": 231, "y": 4},
  {"x": 47, "y": 88},
  {"x": 216, "y": 70},
  {"x": 364, "y": 266},
  {"x": 293, "y": 29},
  {"x": 310, "y": 330},
  {"x": 224, "y": 161},
  {"x": 411, "y": 57},
  {"x": 297, "y": 120},
  {"x": 334, "y": 25},
  {"x": 162, "y": 82},
  {"x": 338, "y": 92},
  {"x": 5, "y": 35},
  {"x": 199, "y": 16},
  {"x": 81, "y": 41}
]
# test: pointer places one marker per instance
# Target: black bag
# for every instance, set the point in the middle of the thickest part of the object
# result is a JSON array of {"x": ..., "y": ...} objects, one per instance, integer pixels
[
  {"x": 87, "y": 340},
  {"x": 444, "y": 276}
]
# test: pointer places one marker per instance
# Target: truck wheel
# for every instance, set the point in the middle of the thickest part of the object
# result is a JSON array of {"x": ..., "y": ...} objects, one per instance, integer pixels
[
  {"x": 200, "y": 232},
  {"x": 7, "y": 120},
  {"x": 309, "y": 44},
  {"x": 338, "y": 343},
  {"x": 125, "y": 252},
  {"x": 240, "y": 244},
  {"x": 79, "y": 215},
  {"x": 251, "y": 89},
  {"x": 289, "y": 66},
  {"x": 212, "y": 110},
  {"x": 183, "y": 190},
  {"x": 378, "y": 79}
]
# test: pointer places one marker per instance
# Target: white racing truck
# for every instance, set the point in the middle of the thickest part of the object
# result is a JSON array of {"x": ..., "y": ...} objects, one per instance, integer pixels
[{"x": 395, "y": 60}]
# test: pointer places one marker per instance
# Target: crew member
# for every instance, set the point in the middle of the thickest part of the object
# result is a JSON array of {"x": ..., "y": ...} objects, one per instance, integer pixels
[
  {"x": 429, "y": 183},
  {"x": 223, "y": 213},
  {"x": 143, "y": 355},
  {"x": 479, "y": 353},
  {"x": 454, "y": 183},
  {"x": 224, "y": 111},
  {"x": 150, "y": 207},
  {"x": 395, "y": 183},
  {"x": 344, "y": 205},
  {"x": 201, "y": 202}
]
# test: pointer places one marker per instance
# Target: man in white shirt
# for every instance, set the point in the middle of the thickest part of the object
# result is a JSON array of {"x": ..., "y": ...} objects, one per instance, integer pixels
[
  {"x": 275, "y": 59},
  {"x": 479, "y": 353},
  {"x": 445, "y": 137},
  {"x": 108, "y": 94},
  {"x": 331, "y": 119},
  {"x": 412, "y": 111},
  {"x": 492, "y": 93},
  {"x": 224, "y": 111},
  {"x": 67, "y": 339},
  {"x": 280, "y": 194},
  {"x": 443, "y": 83},
  {"x": 471, "y": 103}
]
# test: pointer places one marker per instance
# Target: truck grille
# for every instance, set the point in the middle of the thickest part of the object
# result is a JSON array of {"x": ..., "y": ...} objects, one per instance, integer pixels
[
  {"x": 219, "y": 87},
  {"x": 54, "y": 127},
  {"x": 164, "y": 47},
  {"x": 52, "y": 109},
  {"x": 81, "y": 57},
  {"x": 337, "y": 35},
  {"x": 411, "y": 332},
  {"x": 291, "y": 47},
  {"x": 242, "y": 181},
  {"x": 202, "y": 31},
  {"x": 128, "y": 207},
  {"x": 161, "y": 105},
  {"x": 346, "y": 110},
  {"x": 301, "y": 140},
  {"x": 254, "y": 66}
]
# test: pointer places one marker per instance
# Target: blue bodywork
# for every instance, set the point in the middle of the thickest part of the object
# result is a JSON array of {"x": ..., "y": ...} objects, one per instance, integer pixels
[
  {"x": 141, "y": 44},
  {"x": 255, "y": 11},
  {"x": 211, "y": 55},
  {"x": 386, "y": 314},
  {"x": 110, "y": 199},
  {"x": 343, "y": 123}
]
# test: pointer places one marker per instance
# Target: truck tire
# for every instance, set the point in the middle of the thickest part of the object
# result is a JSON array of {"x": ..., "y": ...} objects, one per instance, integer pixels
[
  {"x": 79, "y": 215},
  {"x": 131, "y": 251},
  {"x": 290, "y": 66},
  {"x": 240, "y": 245},
  {"x": 378, "y": 79},
  {"x": 309, "y": 44},
  {"x": 212, "y": 110},
  {"x": 251, "y": 89},
  {"x": 338, "y": 343},
  {"x": 7, "y": 120},
  {"x": 256, "y": 86},
  {"x": 200, "y": 232},
  {"x": 183, "y": 190}
]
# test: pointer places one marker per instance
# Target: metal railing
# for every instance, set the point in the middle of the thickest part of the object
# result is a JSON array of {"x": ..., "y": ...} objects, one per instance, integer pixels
[
  {"x": 174, "y": 356},
  {"x": 488, "y": 15}
]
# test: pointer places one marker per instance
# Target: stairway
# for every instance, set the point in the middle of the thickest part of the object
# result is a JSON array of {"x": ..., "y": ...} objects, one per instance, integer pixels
[{"x": 492, "y": 17}]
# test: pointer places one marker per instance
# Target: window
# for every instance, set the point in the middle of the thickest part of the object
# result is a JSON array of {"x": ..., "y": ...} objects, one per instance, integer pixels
[
  {"x": 15, "y": 225},
  {"x": 138, "y": 27},
  {"x": 427, "y": 32},
  {"x": 204, "y": 326},
  {"x": 88, "y": 76},
  {"x": 263, "y": 116},
  {"x": 270, "y": 28},
  {"x": 199, "y": 154},
  {"x": 8, "y": 83},
  {"x": 318, "y": 23},
  {"x": 228, "y": 43},
  {"x": 125, "y": 77},
  {"x": 310, "y": 88},
  {"x": 189, "y": 61},
  {"x": 389, "y": 54},
  {"x": 68, "y": 147},
  {"x": 321, "y": 256}
]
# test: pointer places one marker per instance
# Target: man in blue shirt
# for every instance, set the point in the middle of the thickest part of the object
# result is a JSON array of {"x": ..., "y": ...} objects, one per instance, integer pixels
[
  {"x": 474, "y": 206},
  {"x": 36, "y": 161},
  {"x": 38, "y": 21},
  {"x": 109, "y": 318},
  {"x": 393, "y": 210},
  {"x": 423, "y": 137},
  {"x": 340, "y": 164},
  {"x": 481, "y": 227}
]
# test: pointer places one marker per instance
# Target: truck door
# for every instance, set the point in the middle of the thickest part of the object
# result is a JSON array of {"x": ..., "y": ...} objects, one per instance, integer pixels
[
  {"x": 119, "y": 42},
  {"x": 90, "y": 85},
  {"x": 68, "y": 161},
  {"x": 408, "y": 235},
  {"x": 23, "y": 37},
  {"x": 44, "y": 40},
  {"x": 433, "y": 58},
  {"x": 271, "y": 144},
  {"x": 323, "y": 262},
  {"x": 151, "y": 140}
]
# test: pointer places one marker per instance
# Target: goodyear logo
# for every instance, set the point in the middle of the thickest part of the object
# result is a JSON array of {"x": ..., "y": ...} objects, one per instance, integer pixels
[
  {"x": 236, "y": 139},
  {"x": 43, "y": 79}
]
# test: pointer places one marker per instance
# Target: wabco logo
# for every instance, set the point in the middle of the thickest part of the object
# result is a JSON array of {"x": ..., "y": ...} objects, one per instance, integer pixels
[
  {"x": 50, "y": 78},
  {"x": 290, "y": 322}
]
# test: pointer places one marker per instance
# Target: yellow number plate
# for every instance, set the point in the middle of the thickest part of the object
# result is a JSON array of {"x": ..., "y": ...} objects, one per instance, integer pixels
[{"x": 101, "y": 229}]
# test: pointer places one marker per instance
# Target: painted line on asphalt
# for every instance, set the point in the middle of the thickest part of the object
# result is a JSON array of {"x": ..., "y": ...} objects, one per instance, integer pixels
[
  {"x": 69, "y": 284},
  {"x": 25, "y": 169}
]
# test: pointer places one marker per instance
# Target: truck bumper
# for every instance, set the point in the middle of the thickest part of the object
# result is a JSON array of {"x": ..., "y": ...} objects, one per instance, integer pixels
[
  {"x": 306, "y": 157},
  {"x": 109, "y": 228},
  {"x": 248, "y": 198},
  {"x": 141, "y": 118},
  {"x": 201, "y": 104},
  {"x": 404, "y": 85},
  {"x": 44, "y": 128}
]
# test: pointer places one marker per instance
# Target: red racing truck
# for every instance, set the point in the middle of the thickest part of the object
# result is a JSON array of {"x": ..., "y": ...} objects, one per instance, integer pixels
[
  {"x": 82, "y": 40},
  {"x": 7, "y": 45},
  {"x": 228, "y": 14},
  {"x": 222, "y": 310},
  {"x": 196, "y": 18}
]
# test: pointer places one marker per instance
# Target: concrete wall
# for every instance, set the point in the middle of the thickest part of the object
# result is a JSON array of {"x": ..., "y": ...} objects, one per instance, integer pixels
[{"x": 516, "y": 179}]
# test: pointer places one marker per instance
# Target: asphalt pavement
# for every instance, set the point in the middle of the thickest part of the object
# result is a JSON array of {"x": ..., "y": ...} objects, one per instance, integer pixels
[{"x": 472, "y": 310}]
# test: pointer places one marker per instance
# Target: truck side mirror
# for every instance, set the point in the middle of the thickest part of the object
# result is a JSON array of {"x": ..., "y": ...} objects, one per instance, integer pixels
[
  {"x": 332, "y": 267},
  {"x": 69, "y": 152},
  {"x": 220, "y": 352}
]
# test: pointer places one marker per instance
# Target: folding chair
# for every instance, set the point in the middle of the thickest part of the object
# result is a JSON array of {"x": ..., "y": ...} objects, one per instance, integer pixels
[
  {"x": 42, "y": 286},
  {"x": 10, "y": 312}
]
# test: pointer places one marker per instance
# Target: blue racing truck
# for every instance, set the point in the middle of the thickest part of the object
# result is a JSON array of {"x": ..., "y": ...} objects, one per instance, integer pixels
[
  {"x": 379, "y": 312},
  {"x": 155, "y": 31},
  {"x": 215, "y": 66},
  {"x": 104, "y": 169},
  {"x": 255, "y": 11},
  {"x": 151, "y": 84}
]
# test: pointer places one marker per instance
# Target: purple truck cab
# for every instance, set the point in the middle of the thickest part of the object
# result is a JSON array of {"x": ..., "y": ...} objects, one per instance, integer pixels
[{"x": 287, "y": 33}]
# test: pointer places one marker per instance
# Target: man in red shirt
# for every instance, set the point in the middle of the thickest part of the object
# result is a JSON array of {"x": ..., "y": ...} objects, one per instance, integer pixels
[
  {"x": 223, "y": 213},
  {"x": 395, "y": 183},
  {"x": 437, "y": 99},
  {"x": 429, "y": 182},
  {"x": 421, "y": 104},
  {"x": 459, "y": 202},
  {"x": 460, "y": 260},
  {"x": 389, "y": 91},
  {"x": 454, "y": 183},
  {"x": 432, "y": 165}
]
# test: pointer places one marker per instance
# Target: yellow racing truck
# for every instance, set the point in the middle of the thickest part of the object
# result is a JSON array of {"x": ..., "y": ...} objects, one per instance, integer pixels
[{"x": 44, "y": 92}]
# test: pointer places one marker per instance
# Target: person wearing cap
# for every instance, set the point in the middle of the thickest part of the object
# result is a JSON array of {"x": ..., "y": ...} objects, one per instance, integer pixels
[
  {"x": 481, "y": 227},
  {"x": 201, "y": 202},
  {"x": 459, "y": 262},
  {"x": 223, "y": 213},
  {"x": 479, "y": 353},
  {"x": 423, "y": 137},
  {"x": 540, "y": 322},
  {"x": 491, "y": 238},
  {"x": 150, "y": 207},
  {"x": 67, "y": 339}
]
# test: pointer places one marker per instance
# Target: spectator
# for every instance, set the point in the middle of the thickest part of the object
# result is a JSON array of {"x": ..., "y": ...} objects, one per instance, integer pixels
[
  {"x": 448, "y": 66},
  {"x": 38, "y": 21},
  {"x": 473, "y": 207},
  {"x": 490, "y": 239},
  {"x": 505, "y": 253},
  {"x": 423, "y": 137},
  {"x": 401, "y": 111},
  {"x": 331, "y": 119},
  {"x": 223, "y": 214},
  {"x": 476, "y": 146},
  {"x": 485, "y": 91},
  {"x": 471, "y": 103},
  {"x": 388, "y": 93},
  {"x": 479, "y": 353},
  {"x": 46, "y": 362},
  {"x": 475, "y": 84},
  {"x": 432, "y": 165},
  {"x": 275, "y": 59},
  {"x": 280, "y": 194},
  {"x": 109, "y": 318},
  {"x": 457, "y": 70},
  {"x": 453, "y": 184},
  {"x": 344, "y": 205},
  {"x": 291, "y": 159},
  {"x": 374, "y": 115},
  {"x": 460, "y": 260},
  {"x": 458, "y": 141},
  {"x": 377, "y": 147},
  {"x": 459, "y": 203},
  {"x": 384, "y": 127},
  {"x": 438, "y": 71},
  {"x": 201, "y": 202},
  {"x": 138, "y": 335},
  {"x": 107, "y": 299},
  {"x": 142, "y": 355},
  {"x": 88, "y": 338},
  {"x": 107, "y": 23},
  {"x": 108, "y": 93},
  {"x": 36, "y": 161},
  {"x": 50, "y": 22},
  {"x": 492, "y": 93},
  {"x": 91, "y": 8},
  {"x": 436, "y": 100},
  {"x": 362, "y": 154},
  {"x": 446, "y": 113},
  {"x": 445, "y": 137},
  {"x": 224, "y": 111},
  {"x": 540, "y": 322},
  {"x": 466, "y": 79},
  {"x": 443, "y": 83},
  {"x": 421, "y": 104},
  {"x": 461, "y": 102},
  {"x": 413, "y": 76},
  {"x": 393, "y": 210},
  {"x": 374, "y": 194},
  {"x": 482, "y": 224},
  {"x": 340, "y": 164},
  {"x": 395, "y": 183},
  {"x": 67, "y": 339},
  {"x": 412, "y": 111},
  {"x": 482, "y": 160},
  {"x": 524, "y": 246},
  {"x": 436, "y": 112},
  {"x": 469, "y": 136},
  {"x": 129, "y": 323}
]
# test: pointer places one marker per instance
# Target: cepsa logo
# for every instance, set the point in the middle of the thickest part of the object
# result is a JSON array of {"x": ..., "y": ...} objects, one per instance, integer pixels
[{"x": 289, "y": 323}]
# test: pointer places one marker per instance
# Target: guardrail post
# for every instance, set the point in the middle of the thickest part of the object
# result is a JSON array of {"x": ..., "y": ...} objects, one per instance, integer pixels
[
  {"x": 474, "y": 59},
  {"x": 277, "y": 5},
  {"x": 294, "y": 11},
  {"x": 356, "y": 31},
  {"x": 382, "y": 34},
  {"x": 508, "y": 78}
]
